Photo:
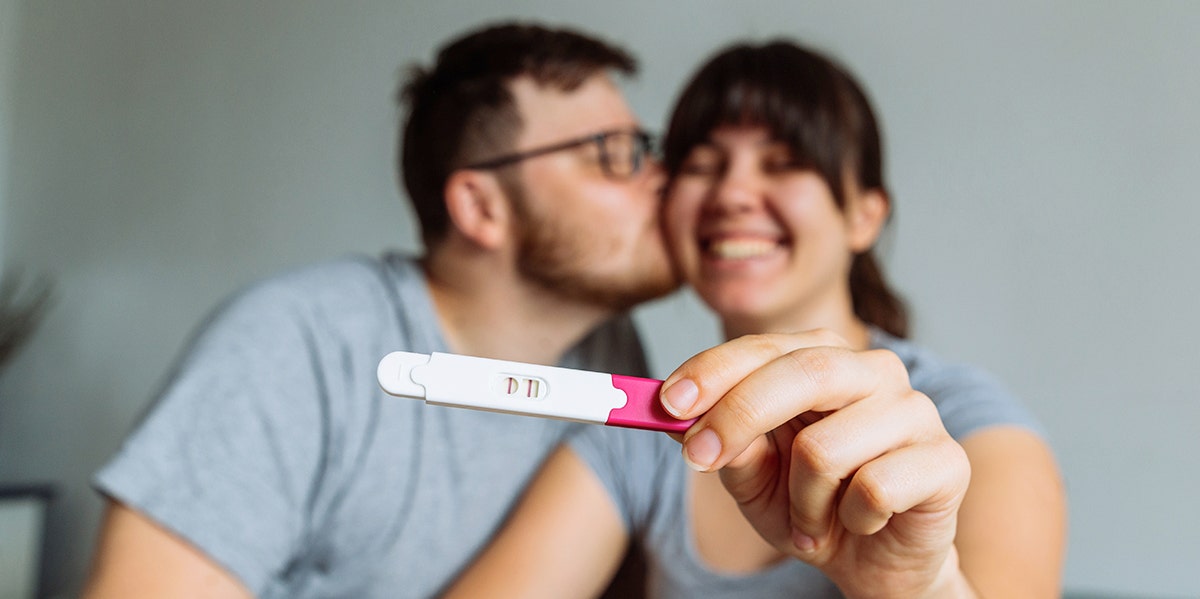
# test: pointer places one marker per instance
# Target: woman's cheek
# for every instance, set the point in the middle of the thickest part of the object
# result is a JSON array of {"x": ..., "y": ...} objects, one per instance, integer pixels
[{"x": 679, "y": 224}]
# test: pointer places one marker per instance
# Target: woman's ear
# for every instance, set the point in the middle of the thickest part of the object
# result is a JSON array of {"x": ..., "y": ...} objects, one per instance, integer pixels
[
  {"x": 478, "y": 207},
  {"x": 867, "y": 213}
]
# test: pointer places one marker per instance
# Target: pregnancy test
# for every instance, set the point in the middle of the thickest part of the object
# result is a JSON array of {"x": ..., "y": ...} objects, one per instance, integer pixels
[{"x": 530, "y": 389}]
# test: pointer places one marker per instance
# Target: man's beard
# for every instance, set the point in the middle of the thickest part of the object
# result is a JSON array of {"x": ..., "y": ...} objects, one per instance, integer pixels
[{"x": 557, "y": 260}]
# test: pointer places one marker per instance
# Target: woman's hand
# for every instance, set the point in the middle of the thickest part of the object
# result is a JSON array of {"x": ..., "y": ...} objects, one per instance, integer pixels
[{"x": 832, "y": 457}]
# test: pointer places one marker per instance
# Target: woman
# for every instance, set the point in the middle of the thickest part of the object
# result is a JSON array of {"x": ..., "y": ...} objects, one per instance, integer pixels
[{"x": 856, "y": 485}]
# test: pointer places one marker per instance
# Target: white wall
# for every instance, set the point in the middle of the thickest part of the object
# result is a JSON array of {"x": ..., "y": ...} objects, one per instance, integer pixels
[{"x": 1042, "y": 158}]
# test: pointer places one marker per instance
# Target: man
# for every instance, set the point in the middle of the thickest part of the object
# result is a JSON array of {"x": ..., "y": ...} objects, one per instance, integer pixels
[{"x": 273, "y": 466}]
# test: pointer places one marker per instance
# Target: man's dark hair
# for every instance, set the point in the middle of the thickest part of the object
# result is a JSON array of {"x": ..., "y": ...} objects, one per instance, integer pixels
[{"x": 461, "y": 110}]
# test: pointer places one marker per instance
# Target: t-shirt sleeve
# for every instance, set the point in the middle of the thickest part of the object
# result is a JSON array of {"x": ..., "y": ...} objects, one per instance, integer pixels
[
  {"x": 228, "y": 454},
  {"x": 627, "y": 463},
  {"x": 969, "y": 400}
]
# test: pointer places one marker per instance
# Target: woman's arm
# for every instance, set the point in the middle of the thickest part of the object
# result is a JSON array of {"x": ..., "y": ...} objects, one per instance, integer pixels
[
  {"x": 832, "y": 457},
  {"x": 1012, "y": 522},
  {"x": 565, "y": 539},
  {"x": 866, "y": 484}
]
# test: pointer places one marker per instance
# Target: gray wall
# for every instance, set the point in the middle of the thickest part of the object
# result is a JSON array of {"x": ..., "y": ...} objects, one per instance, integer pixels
[
  {"x": 159, "y": 155},
  {"x": 8, "y": 49}
]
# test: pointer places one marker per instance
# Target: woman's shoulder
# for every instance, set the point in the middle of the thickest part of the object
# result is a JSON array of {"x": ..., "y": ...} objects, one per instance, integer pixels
[{"x": 967, "y": 397}]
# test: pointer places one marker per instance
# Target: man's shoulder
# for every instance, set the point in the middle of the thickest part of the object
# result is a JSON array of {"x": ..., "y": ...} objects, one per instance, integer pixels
[
  {"x": 356, "y": 303},
  {"x": 348, "y": 285},
  {"x": 344, "y": 277}
]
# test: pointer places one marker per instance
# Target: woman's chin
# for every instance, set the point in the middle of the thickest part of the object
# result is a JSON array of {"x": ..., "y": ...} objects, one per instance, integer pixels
[{"x": 736, "y": 307}]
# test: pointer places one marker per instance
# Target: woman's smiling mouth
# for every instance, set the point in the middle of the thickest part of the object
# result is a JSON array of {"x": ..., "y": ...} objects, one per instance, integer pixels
[{"x": 739, "y": 248}]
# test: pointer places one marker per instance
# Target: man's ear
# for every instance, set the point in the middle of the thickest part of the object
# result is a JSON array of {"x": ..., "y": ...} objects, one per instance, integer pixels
[
  {"x": 478, "y": 207},
  {"x": 866, "y": 213}
]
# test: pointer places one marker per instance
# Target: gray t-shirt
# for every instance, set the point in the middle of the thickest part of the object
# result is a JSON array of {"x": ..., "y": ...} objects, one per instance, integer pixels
[
  {"x": 647, "y": 479},
  {"x": 273, "y": 450}
]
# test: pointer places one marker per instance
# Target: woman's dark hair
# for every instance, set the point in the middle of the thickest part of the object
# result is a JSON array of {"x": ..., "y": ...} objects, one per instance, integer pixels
[{"x": 815, "y": 106}]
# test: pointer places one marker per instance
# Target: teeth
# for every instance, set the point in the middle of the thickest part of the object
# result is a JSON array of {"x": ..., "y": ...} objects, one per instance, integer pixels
[{"x": 736, "y": 249}]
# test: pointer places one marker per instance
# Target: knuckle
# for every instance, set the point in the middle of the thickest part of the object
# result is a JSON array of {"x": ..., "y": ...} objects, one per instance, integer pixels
[
  {"x": 922, "y": 407},
  {"x": 875, "y": 494},
  {"x": 765, "y": 344},
  {"x": 810, "y": 450},
  {"x": 887, "y": 363},
  {"x": 726, "y": 358},
  {"x": 805, "y": 519},
  {"x": 714, "y": 365},
  {"x": 955, "y": 457},
  {"x": 815, "y": 366},
  {"x": 740, "y": 411},
  {"x": 827, "y": 337}
]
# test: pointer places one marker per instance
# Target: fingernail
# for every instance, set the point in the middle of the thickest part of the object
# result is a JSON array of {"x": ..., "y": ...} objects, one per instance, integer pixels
[
  {"x": 680, "y": 396},
  {"x": 803, "y": 542},
  {"x": 702, "y": 450}
]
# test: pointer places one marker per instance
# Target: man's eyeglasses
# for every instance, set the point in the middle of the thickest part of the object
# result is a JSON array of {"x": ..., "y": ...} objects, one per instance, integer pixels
[{"x": 622, "y": 152}]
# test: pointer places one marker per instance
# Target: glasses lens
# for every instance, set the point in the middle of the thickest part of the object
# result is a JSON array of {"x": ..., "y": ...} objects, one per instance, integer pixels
[{"x": 623, "y": 152}]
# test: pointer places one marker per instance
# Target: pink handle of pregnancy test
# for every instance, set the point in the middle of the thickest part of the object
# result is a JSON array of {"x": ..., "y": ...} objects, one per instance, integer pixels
[{"x": 643, "y": 410}]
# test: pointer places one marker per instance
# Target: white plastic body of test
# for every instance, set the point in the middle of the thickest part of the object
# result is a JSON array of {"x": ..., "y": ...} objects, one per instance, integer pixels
[{"x": 501, "y": 386}]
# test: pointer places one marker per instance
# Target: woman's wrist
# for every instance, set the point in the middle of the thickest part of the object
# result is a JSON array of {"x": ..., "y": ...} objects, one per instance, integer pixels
[
  {"x": 951, "y": 582},
  {"x": 948, "y": 583}
]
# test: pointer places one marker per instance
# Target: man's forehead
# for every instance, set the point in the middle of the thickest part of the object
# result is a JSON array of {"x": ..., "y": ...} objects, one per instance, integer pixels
[{"x": 551, "y": 114}]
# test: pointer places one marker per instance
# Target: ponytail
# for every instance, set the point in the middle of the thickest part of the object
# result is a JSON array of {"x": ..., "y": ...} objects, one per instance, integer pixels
[{"x": 874, "y": 302}]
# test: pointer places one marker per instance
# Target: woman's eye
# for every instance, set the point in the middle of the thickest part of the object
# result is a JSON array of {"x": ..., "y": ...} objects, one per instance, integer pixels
[
  {"x": 700, "y": 167},
  {"x": 781, "y": 165}
]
